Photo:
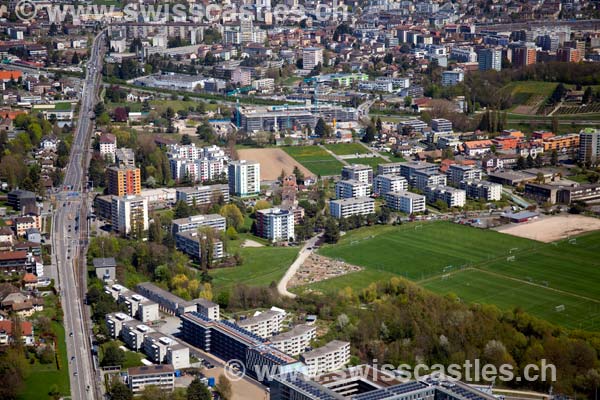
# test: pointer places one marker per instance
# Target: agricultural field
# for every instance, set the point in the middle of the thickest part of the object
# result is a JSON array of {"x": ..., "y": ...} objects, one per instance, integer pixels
[
  {"x": 316, "y": 159},
  {"x": 272, "y": 162},
  {"x": 371, "y": 161},
  {"x": 578, "y": 109},
  {"x": 344, "y": 149},
  {"x": 548, "y": 280},
  {"x": 529, "y": 95}
]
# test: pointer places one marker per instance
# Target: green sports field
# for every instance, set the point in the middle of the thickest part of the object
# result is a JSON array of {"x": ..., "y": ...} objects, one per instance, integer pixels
[
  {"x": 316, "y": 159},
  {"x": 480, "y": 266},
  {"x": 343, "y": 149}
]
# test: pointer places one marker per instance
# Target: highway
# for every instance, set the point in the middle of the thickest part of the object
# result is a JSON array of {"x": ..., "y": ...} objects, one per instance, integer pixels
[{"x": 69, "y": 238}]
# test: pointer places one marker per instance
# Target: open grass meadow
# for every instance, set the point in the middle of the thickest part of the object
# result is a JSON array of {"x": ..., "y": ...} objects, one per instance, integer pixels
[
  {"x": 260, "y": 267},
  {"x": 41, "y": 378},
  {"x": 553, "y": 281},
  {"x": 371, "y": 161},
  {"x": 316, "y": 159},
  {"x": 344, "y": 149}
]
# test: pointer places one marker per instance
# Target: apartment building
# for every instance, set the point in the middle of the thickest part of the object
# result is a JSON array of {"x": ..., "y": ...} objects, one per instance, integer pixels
[
  {"x": 133, "y": 333},
  {"x": 351, "y": 188},
  {"x": 561, "y": 143},
  {"x": 452, "y": 78},
  {"x": 358, "y": 172},
  {"x": 423, "y": 179},
  {"x": 161, "y": 349},
  {"x": 125, "y": 157},
  {"x": 227, "y": 341},
  {"x": 331, "y": 357},
  {"x": 275, "y": 224},
  {"x": 198, "y": 164},
  {"x": 139, "y": 306},
  {"x": 490, "y": 59},
  {"x": 408, "y": 169},
  {"x": 123, "y": 181},
  {"x": 108, "y": 146},
  {"x": 190, "y": 242},
  {"x": 296, "y": 340},
  {"x": 441, "y": 125},
  {"x": 160, "y": 376},
  {"x": 406, "y": 202},
  {"x": 203, "y": 195},
  {"x": 451, "y": 196},
  {"x": 244, "y": 178},
  {"x": 175, "y": 305},
  {"x": 389, "y": 169},
  {"x": 114, "y": 323},
  {"x": 484, "y": 190},
  {"x": 264, "y": 324},
  {"x": 311, "y": 57},
  {"x": 458, "y": 173},
  {"x": 344, "y": 208},
  {"x": 589, "y": 145},
  {"x": 129, "y": 214},
  {"x": 386, "y": 183},
  {"x": 194, "y": 222}
]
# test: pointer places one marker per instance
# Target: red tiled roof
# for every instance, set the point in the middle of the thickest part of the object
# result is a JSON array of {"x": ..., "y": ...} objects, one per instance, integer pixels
[{"x": 26, "y": 327}]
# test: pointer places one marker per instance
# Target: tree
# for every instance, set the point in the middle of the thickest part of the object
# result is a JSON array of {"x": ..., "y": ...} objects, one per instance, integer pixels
[
  {"x": 233, "y": 215},
  {"x": 530, "y": 162},
  {"x": 332, "y": 231},
  {"x": 298, "y": 174},
  {"x": 182, "y": 209},
  {"x": 120, "y": 391},
  {"x": 322, "y": 129},
  {"x": 120, "y": 114},
  {"x": 555, "y": 125},
  {"x": 75, "y": 59},
  {"x": 198, "y": 391},
  {"x": 223, "y": 387},
  {"x": 185, "y": 139},
  {"x": 587, "y": 95},
  {"x": 113, "y": 356},
  {"x": 369, "y": 135},
  {"x": 521, "y": 163},
  {"x": 379, "y": 125},
  {"x": 554, "y": 157},
  {"x": 407, "y": 101}
]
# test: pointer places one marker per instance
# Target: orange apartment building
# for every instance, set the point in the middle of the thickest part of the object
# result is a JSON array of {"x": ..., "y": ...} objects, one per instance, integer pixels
[
  {"x": 560, "y": 142},
  {"x": 123, "y": 181}
]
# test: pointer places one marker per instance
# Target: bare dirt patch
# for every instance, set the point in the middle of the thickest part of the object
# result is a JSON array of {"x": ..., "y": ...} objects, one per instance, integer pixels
[
  {"x": 550, "y": 229},
  {"x": 251, "y": 243},
  {"x": 317, "y": 268},
  {"x": 272, "y": 161}
]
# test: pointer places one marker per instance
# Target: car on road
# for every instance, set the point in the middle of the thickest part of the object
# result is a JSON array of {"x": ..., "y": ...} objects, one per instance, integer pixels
[
  {"x": 75, "y": 373},
  {"x": 72, "y": 358},
  {"x": 71, "y": 334}
]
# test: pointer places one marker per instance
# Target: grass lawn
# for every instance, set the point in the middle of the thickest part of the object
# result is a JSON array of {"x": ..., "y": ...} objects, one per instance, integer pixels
[
  {"x": 532, "y": 87},
  {"x": 372, "y": 161},
  {"x": 41, "y": 378},
  {"x": 261, "y": 266},
  {"x": 317, "y": 160},
  {"x": 423, "y": 252},
  {"x": 480, "y": 287},
  {"x": 473, "y": 264},
  {"x": 342, "y": 149}
]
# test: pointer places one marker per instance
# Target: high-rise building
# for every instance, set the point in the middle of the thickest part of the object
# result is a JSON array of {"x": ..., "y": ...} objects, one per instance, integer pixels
[
  {"x": 244, "y": 178},
  {"x": 123, "y": 181},
  {"x": 589, "y": 145},
  {"x": 569, "y": 54},
  {"x": 523, "y": 56},
  {"x": 358, "y": 172},
  {"x": 311, "y": 57},
  {"x": 275, "y": 224},
  {"x": 129, "y": 214},
  {"x": 490, "y": 59}
]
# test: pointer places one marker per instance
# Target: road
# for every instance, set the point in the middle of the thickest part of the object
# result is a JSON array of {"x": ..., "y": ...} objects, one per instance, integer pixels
[
  {"x": 69, "y": 238},
  {"x": 306, "y": 250}
]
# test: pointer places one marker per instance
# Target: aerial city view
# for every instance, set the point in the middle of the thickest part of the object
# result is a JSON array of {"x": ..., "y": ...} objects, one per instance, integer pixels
[{"x": 299, "y": 199}]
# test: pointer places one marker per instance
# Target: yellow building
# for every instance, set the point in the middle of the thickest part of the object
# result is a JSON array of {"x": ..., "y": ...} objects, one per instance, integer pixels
[{"x": 123, "y": 181}]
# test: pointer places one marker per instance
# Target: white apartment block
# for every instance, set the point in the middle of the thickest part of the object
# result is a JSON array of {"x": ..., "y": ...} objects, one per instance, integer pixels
[
  {"x": 115, "y": 290},
  {"x": 205, "y": 308},
  {"x": 129, "y": 213},
  {"x": 423, "y": 179},
  {"x": 264, "y": 85},
  {"x": 331, "y": 357},
  {"x": 449, "y": 195},
  {"x": 275, "y": 224},
  {"x": 203, "y": 195},
  {"x": 376, "y": 86},
  {"x": 451, "y": 78},
  {"x": 114, "y": 323},
  {"x": 344, "y": 208},
  {"x": 406, "y": 202},
  {"x": 194, "y": 222},
  {"x": 458, "y": 173},
  {"x": 190, "y": 243},
  {"x": 139, "y": 306},
  {"x": 108, "y": 146},
  {"x": 482, "y": 190},
  {"x": 441, "y": 125},
  {"x": 311, "y": 57},
  {"x": 389, "y": 168},
  {"x": 244, "y": 178},
  {"x": 161, "y": 376},
  {"x": 386, "y": 183},
  {"x": 351, "y": 188},
  {"x": 198, "y": 164},
  {"x": 358, "y": 172},
  {"x": 133, "y": 333},
  {"x": 160, "y": 349},
  {"x": 264, "y": 324},
  {"x": 296, "y": 340}
]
